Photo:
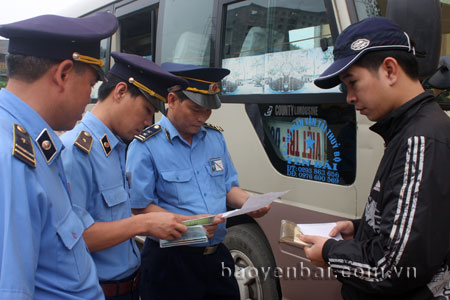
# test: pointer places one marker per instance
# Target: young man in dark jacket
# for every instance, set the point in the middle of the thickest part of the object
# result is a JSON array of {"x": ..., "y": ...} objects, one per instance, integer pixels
[{"x": 399, "y": 249}]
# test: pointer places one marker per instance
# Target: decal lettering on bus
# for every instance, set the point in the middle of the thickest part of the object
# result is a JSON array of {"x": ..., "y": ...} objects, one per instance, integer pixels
[{"x": 303, "y": 145}]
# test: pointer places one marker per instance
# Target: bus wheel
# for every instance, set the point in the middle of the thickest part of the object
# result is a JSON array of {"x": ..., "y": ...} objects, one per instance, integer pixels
[{"x": 253, "y": 261}]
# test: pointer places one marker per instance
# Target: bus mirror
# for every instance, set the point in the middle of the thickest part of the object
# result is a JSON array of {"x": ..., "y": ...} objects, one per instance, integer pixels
[
  {"x": 441, "y": 79},
  {"x": 421, "y": 19}
]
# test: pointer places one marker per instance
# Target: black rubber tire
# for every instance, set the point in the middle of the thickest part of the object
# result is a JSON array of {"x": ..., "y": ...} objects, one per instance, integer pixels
[{"x": 250, "y": 240}]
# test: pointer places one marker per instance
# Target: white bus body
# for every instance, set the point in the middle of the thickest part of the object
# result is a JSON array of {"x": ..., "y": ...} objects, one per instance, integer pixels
[{"x": 281, "y": 131}]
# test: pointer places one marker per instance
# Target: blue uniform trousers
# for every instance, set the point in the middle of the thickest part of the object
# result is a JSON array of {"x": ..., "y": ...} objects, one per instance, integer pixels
[
  {"x": 131, "y": 296},
  {"x": 182, "y": 273}
]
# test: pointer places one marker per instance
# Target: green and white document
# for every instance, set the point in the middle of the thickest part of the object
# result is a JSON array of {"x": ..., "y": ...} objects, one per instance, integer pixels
[{"x": 196, "y": 233}]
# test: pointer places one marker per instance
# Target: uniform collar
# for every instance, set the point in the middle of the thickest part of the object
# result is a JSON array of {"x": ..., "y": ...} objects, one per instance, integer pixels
[
  {"x": 41, "y": 133},
  {"x": 172, "y": 132},
  {"x": 101, "y": 133}
]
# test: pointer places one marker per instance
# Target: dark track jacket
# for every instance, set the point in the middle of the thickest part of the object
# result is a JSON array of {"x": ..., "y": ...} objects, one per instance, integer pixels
[{"x": 401, "y": 247}]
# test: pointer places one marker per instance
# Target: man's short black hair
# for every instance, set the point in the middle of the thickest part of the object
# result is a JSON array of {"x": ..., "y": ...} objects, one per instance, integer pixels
[
  {"x": 407, "y": 61},
  {"x": 30, "y": 68},
  {"x": 110, "y": 84},
  {"x": 177, "y": 90}
]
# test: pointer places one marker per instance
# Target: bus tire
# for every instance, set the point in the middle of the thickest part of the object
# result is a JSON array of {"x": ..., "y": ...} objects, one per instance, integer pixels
[{"x": 251, "y": 252}]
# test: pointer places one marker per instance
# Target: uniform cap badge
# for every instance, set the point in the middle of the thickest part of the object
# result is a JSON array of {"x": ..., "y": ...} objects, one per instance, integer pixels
[
  {"x": 213, "y": 88},
  {"x": 360, "y": 44}
]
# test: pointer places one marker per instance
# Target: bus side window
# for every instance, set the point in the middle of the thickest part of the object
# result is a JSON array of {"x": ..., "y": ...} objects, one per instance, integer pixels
[
  {"x": 137, "y": 32},
  {"x": 255, "y": 41},
  {"x": 273, "y": 50},
  {"x": 313, "y": 142},
  {"x": 187, "y": 32}
]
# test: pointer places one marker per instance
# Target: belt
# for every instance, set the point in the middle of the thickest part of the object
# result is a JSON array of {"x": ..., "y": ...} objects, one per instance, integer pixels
[
  {"x": 119, "y": 288},
  {"x": 189, "y": 249},
  {"x": 198, "y": 250}
]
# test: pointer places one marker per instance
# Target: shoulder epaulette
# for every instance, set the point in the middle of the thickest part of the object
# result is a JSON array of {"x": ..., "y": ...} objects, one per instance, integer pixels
[
  {"x": 212, "y": 126},
  {"x": 23, "y": 146},
  {"x": 148, "y": 132},
  {"x": 84, "y": 141}
]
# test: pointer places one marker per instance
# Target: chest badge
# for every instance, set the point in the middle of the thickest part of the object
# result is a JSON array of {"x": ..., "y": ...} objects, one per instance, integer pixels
[{"x": 216, "y": 164}]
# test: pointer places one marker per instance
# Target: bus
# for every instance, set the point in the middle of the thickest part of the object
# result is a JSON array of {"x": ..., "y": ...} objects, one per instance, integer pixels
[{"x": 283, "y": 133}]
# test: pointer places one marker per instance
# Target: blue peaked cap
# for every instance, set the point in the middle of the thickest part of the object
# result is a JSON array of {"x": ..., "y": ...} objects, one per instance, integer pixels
[
  {"x": 371, "y": 34},
  {"x": 152, "y": 80},
  {"x": 60, "y": 38},
  {"x": 203, "y": 82}
]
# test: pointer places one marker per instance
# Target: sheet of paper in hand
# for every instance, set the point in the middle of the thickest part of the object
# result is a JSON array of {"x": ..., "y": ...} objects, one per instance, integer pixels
[
  {"x": 254, "y": 202},
  {"x": 290, "y": 232},
  {"x": 320, "y": 229}
]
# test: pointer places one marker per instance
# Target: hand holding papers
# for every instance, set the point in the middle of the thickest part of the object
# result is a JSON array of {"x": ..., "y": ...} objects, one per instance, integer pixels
[
  {"x": 290, "y": 232},
  {"x": 196, "y": 233},
  {"x": 254, "y": 202},
  {"x": 320, "y": 229},
  {"x": 200, "y": 221}
]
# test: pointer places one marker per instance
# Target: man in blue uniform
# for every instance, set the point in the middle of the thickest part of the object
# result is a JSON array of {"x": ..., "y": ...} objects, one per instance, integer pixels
[
  {"x": 94, "y": 161},
  {"x": 52, "y": 65},
  {"x": 185, "y": 168}
]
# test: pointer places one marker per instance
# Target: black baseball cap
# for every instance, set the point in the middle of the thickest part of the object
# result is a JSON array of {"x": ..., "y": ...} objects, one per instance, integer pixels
[{"x": 371, "y": 34}]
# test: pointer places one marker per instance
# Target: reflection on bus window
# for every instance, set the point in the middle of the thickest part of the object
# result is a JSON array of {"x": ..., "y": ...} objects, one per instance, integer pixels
[
  {"x": 303, "y": 36},
  {"x": 370, "y": 8},
  {"x": 187, "y": 32},
  {"x": 274, "y": 47},
  {"x": 104, "y": 55},
  {"x": 137, "y": 32}
]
